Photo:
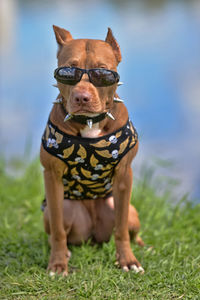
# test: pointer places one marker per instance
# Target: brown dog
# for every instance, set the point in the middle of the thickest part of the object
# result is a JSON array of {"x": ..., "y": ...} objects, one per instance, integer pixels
[{"x": 86, "y": 151}]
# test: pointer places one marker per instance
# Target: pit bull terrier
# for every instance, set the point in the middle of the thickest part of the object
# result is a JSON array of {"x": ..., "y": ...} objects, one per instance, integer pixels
[{"x": 86, "y": 151}]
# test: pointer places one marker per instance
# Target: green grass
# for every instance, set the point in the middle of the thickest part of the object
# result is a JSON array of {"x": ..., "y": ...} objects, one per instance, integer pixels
[{"x": 172, "y": 265}]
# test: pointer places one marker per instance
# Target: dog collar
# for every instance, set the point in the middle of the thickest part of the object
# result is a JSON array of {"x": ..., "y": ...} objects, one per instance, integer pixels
[{"x": 87, "y": 120}]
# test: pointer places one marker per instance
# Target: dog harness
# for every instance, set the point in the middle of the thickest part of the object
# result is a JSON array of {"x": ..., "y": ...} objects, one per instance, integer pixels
[{"x": 90, "y": 161}]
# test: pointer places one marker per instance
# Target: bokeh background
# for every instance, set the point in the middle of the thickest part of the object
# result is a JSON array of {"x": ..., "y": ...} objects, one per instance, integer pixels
[{"x": 160, "y": 44}]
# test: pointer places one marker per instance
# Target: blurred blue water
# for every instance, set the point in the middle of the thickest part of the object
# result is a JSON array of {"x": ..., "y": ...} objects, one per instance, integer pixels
[{"x": 160, "y": 68}]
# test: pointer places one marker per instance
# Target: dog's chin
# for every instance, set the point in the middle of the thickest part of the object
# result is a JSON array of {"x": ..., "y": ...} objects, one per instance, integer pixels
[{"x": 86, "y": 113}]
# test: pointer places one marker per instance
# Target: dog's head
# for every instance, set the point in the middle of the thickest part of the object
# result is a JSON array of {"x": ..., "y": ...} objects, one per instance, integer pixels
[{"x": 84, "y": 97}]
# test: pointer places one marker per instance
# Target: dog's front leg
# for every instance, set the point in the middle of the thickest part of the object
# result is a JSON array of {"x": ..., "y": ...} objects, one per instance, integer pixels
[
  {"x": 55, "y": 194},
  {"x": 122, "y": 193}
]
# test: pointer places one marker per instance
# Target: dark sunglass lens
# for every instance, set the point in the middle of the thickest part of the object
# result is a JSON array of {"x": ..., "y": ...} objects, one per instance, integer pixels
[
  {"x": 102, "y": 77},
  {"x": 68, "y": 75}
]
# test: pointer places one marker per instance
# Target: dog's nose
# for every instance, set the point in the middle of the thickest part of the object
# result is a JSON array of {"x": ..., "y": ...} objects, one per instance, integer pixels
[{"x": 82, "y": 97}]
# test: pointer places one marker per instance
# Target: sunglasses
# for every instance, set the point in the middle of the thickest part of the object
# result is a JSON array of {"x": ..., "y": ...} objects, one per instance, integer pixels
[{"x": 98, "y": 77}]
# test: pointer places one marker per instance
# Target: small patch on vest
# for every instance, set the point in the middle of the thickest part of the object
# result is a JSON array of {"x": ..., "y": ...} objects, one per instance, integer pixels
[
  {"x": 79, "y": 159},
  {"x": 113, "y": 139},
  {"x": 115, "y": 154},
  {"x": 95, "y": 176},
  {"x": 98, "y": 167},
  {"x": 52, "y": 143}
]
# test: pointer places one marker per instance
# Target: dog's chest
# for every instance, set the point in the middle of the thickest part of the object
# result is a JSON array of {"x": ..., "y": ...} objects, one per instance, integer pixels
[
  {"x": 93, "y": 132},
  {"x": 90, "y": 159}
]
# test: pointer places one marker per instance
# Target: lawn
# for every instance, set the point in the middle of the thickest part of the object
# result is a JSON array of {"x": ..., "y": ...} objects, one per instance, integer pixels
[{"x": 171, "y": 257}]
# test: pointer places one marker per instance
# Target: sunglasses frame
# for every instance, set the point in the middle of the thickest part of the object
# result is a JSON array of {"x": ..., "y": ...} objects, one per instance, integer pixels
[{"x": 85, "y": 71}]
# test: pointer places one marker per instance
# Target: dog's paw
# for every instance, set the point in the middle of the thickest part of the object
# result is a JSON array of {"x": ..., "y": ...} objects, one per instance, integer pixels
[
  {"x": 69, "y": 254},
  {"x": 127, "y": 261},
  {"x": 57, "y": 270},
  {"x": 136, "y": 269},
  {"x": 133, "y": 267},
  {"x": 58, "y": 266},
  {"x": 53, "y": 274},
  {"x": 139, "y": 241}
]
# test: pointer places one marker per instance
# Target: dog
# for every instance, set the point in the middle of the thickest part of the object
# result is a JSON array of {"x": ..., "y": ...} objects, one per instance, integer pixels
[{"x": 86, "y": 151}]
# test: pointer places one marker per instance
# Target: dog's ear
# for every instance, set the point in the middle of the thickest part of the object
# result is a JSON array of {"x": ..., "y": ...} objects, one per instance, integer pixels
[
  {"x": 62, "y": 35},
  {"x": 113, "y": 43}
]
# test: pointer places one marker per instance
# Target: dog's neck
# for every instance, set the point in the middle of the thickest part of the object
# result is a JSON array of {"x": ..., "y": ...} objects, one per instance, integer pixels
[
  {"x": 101, "y": 128},
  {"x": 93, "y": 132}
]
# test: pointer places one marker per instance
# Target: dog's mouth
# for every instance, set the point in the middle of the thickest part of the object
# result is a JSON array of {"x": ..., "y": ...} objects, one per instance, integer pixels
[{"x": 87, "y": 113}]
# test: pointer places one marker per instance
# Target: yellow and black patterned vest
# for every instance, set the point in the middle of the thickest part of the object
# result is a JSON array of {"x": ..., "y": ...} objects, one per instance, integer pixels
[{"x": 90, "y": 161}]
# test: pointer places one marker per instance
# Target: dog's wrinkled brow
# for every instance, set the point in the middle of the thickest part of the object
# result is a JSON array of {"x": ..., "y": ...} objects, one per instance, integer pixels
[{"x": 87, "y": 54}]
